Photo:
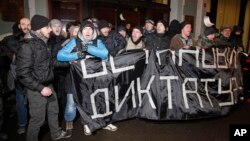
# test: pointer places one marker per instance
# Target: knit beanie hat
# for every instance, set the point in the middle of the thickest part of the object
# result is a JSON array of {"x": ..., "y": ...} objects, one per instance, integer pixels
[
  {"x": 55, "y": 21},
  {"x": 87, "y": 24},
  {"x": 121, "y": 28},
  {"x": 38, "y": 22},
  {"x": 209, "y": 30},
  {"x": 102, "y": 24},
  {"x": 139, "y": 28},
  {"x": 84, "y": 24},
  {"x": 184, "y": 23},
  {"x": 164, "y": 23}
]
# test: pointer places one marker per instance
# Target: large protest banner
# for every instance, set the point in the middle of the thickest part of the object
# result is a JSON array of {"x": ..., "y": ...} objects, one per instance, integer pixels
[{"x": 157, "y": 85}]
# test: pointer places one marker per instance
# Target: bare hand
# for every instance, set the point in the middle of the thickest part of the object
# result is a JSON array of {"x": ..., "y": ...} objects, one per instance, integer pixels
[
  {"x": 186, "y": 47},
  {"x": 46, "y": 91},
  {"x": 72, "y": 62}
]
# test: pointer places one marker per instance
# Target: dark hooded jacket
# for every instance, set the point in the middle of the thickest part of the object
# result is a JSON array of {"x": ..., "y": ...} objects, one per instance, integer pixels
[
  {"x": 34, "y": 65},
  {"x": 114, "y": 42},
  {"x": 158, "y": 42}
]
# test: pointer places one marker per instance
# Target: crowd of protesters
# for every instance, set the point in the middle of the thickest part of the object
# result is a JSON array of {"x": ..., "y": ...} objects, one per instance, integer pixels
[{"x": 40, "y": 55}]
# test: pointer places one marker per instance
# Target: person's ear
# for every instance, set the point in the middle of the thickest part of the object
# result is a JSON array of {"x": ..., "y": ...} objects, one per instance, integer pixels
[{"x": 19, "y": 26}]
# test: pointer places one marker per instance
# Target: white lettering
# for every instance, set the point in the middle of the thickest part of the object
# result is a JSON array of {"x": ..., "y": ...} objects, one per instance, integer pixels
[
  {"x": 93, "y": 103},
  {"x": 210, "y": 59},
  {"x": 196, "y": 52},
  {"x": 222, "y": 55},
  {"x": 226, "y": 92},
  {"x": 97, "y": 74},
  {"x": 195, "y": 91},
  {"x": 115, "y": 70},
  {"x": 206, "y": 89},
  {"x": 140, "y": 91},
  {"x": 132, "y": 89},
  {"x": 169, "y": 78},
  {"x": 162, "y": 51}
]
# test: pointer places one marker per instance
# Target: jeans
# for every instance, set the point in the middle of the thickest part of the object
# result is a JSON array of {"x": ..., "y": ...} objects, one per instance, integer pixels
[
  {"x": 38, "y": 107},
  {"x": 21, "y": 108},
  {"x": 70, "y": 110}
]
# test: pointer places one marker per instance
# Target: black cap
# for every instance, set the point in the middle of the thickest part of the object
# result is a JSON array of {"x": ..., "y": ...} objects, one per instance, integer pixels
[
  {"x": 102, "y": 24},
  {"x": 38, "y": 22},
  {"x": 87, "y": 24},
  {"x": 139, "y": 28},
  {"x": 209, "y": 30},
  {"x": 184, "y": 23},
  {"x": 120, "y": 28},
  {"x": 164, "y": 23}
]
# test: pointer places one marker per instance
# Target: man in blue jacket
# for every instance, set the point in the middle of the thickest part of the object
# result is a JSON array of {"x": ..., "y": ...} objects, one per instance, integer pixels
[{"x": 86, "y": 43}]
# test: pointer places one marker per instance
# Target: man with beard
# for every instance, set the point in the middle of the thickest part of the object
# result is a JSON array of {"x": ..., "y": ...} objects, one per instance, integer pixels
[
  {"x": 12, "y": 44},
  {"x": 135, "y": 41},
  {"x": 35, "y": 72}
]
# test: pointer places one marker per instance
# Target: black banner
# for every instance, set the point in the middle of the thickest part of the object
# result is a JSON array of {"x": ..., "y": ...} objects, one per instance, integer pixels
[{"x": 157, "y": 85}]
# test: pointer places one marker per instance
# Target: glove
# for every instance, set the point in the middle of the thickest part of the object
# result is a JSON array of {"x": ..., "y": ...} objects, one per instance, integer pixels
[{"x": 81, "y": 55}]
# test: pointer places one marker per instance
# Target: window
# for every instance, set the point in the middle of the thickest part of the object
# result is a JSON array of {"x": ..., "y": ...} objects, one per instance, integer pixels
[{"x": 161, "y": 1}]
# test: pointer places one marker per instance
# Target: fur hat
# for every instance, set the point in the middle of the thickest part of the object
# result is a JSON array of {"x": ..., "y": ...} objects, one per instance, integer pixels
[
  {"x": 102, "y": 24},
  {"x": 38, "y": 22},
  {"x": 55, "y": 21},
  {"x": 209, "y": 30}
]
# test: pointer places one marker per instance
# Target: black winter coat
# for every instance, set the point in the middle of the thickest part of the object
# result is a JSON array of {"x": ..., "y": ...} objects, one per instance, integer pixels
[
  {"x": 158, "y": 42},
  {"x": 114, "y": 42},
  {"x": 34, "y": 65}
]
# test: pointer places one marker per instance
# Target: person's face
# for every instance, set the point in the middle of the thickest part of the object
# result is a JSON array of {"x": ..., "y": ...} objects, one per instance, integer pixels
[
  {"x": 75, "y": 31},
  {"x": 160, "y": 28},
  {"x": 123, "y": 33},
  {"x": 25, "y": 25},
  {"x": 226, "y": 32},
  {"x": 149, "y": 26},
  {"x": 136, "y": 34},
  {"x": 105, "y": 31},
  {"x": 186, "y": 31},
  {"x": 87, "y": 33},
  {"x": 211, "y": 36},
  {"x": 128, "y": 26},
  {"x": 45, "y": 31},
  {"x": 56, "y": 29}
]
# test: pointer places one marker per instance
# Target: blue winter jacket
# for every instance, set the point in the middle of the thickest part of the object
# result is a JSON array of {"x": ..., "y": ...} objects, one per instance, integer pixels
[{"x": 67, "y": 53}]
